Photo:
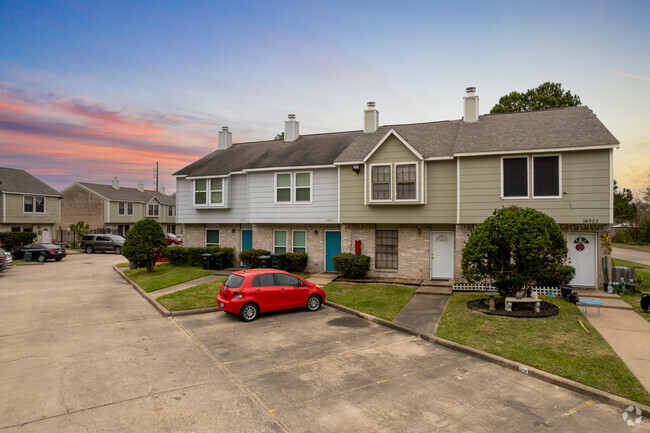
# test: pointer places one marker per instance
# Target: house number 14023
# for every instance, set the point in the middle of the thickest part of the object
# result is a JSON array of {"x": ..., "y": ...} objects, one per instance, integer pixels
[{"x": 590, "y": 221}]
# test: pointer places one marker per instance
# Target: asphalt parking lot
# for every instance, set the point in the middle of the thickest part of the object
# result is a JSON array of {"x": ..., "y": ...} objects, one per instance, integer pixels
[{"x": 80, "y": 350}]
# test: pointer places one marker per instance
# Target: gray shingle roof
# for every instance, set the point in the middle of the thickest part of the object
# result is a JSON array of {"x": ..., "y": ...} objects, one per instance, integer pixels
[
  {"x": 15, "y": 180},
  {"x": 128, "y": 194},
  {"x": 573, "y": 127}
]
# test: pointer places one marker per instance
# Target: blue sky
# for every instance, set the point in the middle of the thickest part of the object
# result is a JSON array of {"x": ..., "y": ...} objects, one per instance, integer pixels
[{"x": 157, "y": 80}]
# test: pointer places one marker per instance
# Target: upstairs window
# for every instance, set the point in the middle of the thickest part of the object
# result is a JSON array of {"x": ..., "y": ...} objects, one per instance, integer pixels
[
  {"x": 303, "y": 187},
  {"x": 209, "y": 192},
  {"x": 33, "y": 204},
  {"x": 40, "y": 204},
  {"x": 129, "y": 208},
  {"x": 170, "y": 210},
  {"x": 28, "y": 203},
  {"x": 153, "y": 210},
  {"x": 120, "y": 208},
  {"x": 514, "y": 177},
  {"x": 216, "y": 191},
  {"x": 283, "y": 188},
  {"x": 546, "y": 176},
  {"x": 200, "y": 192},
  {"x": 405, "y": 179},
  {"x": 380, "y": 182}
]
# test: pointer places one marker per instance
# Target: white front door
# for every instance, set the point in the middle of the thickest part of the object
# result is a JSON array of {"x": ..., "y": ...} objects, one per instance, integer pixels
[
  {"x": 442, "y": 255},
  {"x": 582, "y": 256},
  {"x": 46, "y": 236}
]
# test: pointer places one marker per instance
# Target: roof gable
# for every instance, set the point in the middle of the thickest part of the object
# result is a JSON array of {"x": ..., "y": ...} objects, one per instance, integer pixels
[
  {"x": 393, "y": 133},
  {"x": 127, "y": 194},
  {"x": 14, "y": 180}
]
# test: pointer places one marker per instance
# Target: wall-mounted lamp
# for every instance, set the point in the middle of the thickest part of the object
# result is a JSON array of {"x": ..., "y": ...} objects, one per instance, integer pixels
[
  {"x": 233, "y": 230},
  {"x": 315, "y": 232},
  {"x": 356, "y": 168},
  {"x": 419, "y": 231}
]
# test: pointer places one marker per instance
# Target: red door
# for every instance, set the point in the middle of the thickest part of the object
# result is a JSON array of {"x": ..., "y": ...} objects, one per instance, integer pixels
[{"x": 265, "y": 292}]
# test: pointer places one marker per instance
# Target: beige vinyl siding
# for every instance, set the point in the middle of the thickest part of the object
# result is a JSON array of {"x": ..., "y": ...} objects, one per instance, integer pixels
[
  {"x": 116, "y": 218},
  {"x": 2, "y": 215},
  {"x": 440, "y": 207},
  {"x": 14, "y": 210},
  {"x": 584, "y": 188}
]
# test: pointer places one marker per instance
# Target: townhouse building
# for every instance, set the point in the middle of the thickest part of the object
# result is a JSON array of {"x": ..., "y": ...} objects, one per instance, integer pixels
[{"x": 406, "y": 195}]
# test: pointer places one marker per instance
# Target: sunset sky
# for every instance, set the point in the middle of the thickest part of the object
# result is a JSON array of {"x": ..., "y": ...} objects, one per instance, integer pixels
[{"x": 92, "y": 90}]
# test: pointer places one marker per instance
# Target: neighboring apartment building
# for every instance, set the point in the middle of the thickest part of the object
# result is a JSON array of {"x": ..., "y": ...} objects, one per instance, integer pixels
[
  {"x": 28, "y": 204},
  {"x": 114, "y": 209},
  {"x": 411, "y": 194}
]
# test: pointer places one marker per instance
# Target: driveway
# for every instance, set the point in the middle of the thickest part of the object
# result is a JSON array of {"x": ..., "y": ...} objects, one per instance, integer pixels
[{"x": 80, "y": 350}]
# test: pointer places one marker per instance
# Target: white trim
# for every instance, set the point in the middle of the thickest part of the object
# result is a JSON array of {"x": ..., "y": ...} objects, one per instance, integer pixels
[
  {"x": 390, "y": 184},
  {"x": 286, "y": 247},
  {"x": 417, "y": 186},
  {"x": 559, "y": 173},
  {"x": 293, "y": 237},
  {"x": 425, "y": 188},
  {"x": 32, "y": 193},
  {"x": 348, "y": 163},
  {"x": 150, "y": 214},
  {"x": 205, "y": 235},
  {"x": 303, "y": 168},
  {"x": 458, "y": 191},
  {"x": 208, "y": 194},
  {"x": 275, "y": 188},
  {"x": 208, "y": 177},
  {"x": 527, "y": 177},
  {"x": 311, "y": 188},
  {"x": 179, "y": 175},
  {"x": 439, "y": 158},
  {"x": 611, "y": 186},
  {"x": 123, "y": 208},
  {"x": 399, "y": 137},
  {"x": 338, "y": 196},
  {"x": 515, "y": 152},
  {"x": 34, "y": 196},
  {"x": 132, "y": 208}
]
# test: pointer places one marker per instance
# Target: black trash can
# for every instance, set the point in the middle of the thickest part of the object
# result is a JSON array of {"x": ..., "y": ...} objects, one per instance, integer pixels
[
  {"x": 566, "y": 290},
  {"x": 265, "y": 261},
  {"x": 208, "y": 262},
  {"x": 278, "y": 261},
  {"x": 133, "y": 265},
  {"x": 220, "y": 260}
]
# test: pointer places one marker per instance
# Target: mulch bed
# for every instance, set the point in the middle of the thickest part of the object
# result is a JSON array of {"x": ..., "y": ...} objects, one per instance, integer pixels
[{"x": 519, "y": 310}]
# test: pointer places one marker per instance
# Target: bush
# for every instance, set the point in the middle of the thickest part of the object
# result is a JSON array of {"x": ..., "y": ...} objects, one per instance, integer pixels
[
  {"x": 195, "y": 255},
  {"x": 557, "y": 275},
  {"x": 351, "y": 265},
  {"x": 178, "y": 256},
  {"x": 252, "y": 257},
  {"x": 296, "y": 262},
  {"x": 14, "y": 240},
  {"x": 230, "y": 253},
  {"x": 144, "y": 243}
]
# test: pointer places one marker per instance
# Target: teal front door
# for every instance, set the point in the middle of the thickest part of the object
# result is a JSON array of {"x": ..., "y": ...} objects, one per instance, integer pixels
[
  {"x": 332, "y": 248},
  {"x": 246, "y": 241}
]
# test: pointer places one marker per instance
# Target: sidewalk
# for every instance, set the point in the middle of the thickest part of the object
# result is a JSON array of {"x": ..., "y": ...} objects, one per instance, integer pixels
[
  {"x": 623, "y": 328},
  {"x": 424, "y": 310},
  {"x": 630, "y": 255}
]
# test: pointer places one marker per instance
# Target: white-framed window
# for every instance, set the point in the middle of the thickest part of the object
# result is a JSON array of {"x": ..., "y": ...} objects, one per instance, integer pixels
[
  {"x": 120, "y": 208},
  {"x": 299, "y": 241},
  {"x": 380, "y": 182},
  {"x": 209, "y": 192},
  {"x": 216, "y": 191},
  {"x": 33, "y": 204},
  {"x": 129, "y": 208},
  {"x": 283, "y": 186},
  {"x": 302, "y": 187},
  {"x": 386, "y": 249},
  {"x": 547, "y": 176},
  {"x": 153, "y": 209},
  {"x": 211, "y": 237},
  {"x": 170, "y": 210},
  {"x": 200, "y": 191},
  {"x": 406, "y": 181},
  {"x": 514, "y": 177},
  {"x": 279, "y": 241}
]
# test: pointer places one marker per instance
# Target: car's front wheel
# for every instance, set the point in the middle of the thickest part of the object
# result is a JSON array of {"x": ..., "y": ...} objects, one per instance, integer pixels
[
  {"x": 118, "y": 250},
  {"x": 249, "y": 312},
  {"x": 41, "y": 258},
  {"x": 90, "y": 249},
  {"x": 313, "y": 303},
  {"x": 173, "y": 244}
]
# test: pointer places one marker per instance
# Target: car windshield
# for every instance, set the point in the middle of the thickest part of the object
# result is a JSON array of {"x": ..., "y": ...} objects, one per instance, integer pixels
[
  {"x": 234, "y": 281},
  {"x": 171, "y": 235},
  {"x": 117, "y": 238}
]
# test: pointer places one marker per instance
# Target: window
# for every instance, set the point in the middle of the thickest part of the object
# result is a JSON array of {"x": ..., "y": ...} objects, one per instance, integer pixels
[
  {"x": 120, "y": 208},
  {"x": 303, "y": 187},
  {"x": 129, "y": 208},
  {"x": 200, "y": 191},
  {"x": 546, "y": 176},
  {"x": 40, "y": 204},
  {"x": 279, "y": 241},
  {"x": 380, "y": 180},
  {"x": 263, "y": 280},
  {"x": 386, "y": 249},
  {"x": 211, "y": 237},
  {"x": 283, "y": 188},
  {"x": 514, "y": 181},
  {"x": 170, "y": 210},
  {"x": 234, "y": 281},
  {"x": 153, "y": 210},
  {"x": 28, "y": 203},
  {"x": 406, "y": 178},
  {"x": 216, "y": 191},
  {"x": 33, "y": 204},
  {"x": 299, "y": 242},
  {"x": 287, "y": 280}
]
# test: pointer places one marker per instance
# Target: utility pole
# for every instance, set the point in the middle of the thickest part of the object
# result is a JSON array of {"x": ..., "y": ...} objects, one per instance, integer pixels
[{"x": 155, "y": 176}]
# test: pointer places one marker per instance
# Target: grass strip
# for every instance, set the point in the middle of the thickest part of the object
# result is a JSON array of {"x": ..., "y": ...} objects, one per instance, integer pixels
[
  {"x": 200, "y": 296},
  {"x": 165, "y": 275},
  {"x": 557, "y": 344},
  {"x": 381, "y": 300},
  {"x": 122, "y": 265}
]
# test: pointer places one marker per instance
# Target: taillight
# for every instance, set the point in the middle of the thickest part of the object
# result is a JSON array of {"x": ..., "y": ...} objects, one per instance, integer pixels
[
  {"x": 51, "y": 251},
  {"x": 237, "y": 294}
]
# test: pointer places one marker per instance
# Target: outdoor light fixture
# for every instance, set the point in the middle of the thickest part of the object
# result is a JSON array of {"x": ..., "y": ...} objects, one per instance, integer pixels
[
  {"x": 315, "y": 232},
  {"x": 233, "y": 230},
  {"x": 356, "y": 168}
]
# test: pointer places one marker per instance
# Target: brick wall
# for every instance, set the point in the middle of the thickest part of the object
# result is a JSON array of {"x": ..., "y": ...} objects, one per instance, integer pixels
[
  {"x": 462, "y": 234},
  {"x": 80, "y": 204},
  {"x": 194, "y": 236}
]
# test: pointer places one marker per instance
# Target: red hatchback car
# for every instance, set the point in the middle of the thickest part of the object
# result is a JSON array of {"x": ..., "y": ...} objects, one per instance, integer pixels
[{"x": 254, "y": 291}]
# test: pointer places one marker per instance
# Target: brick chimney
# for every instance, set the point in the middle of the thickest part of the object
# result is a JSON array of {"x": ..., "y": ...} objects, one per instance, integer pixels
[
  {"x": 225, "y": 138},
  {"x": 291, "y": 128},
  {"x": 470, "y": 113},
  {"x": 370, "y": 118},
  {"x": 116, "y": 183}
]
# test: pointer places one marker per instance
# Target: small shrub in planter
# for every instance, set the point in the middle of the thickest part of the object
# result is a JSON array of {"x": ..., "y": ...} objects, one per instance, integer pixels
[
  {"x": 252, "y": 257},
  {"x": 296, "y": 262},
  {"x": 351, "y": 265}
]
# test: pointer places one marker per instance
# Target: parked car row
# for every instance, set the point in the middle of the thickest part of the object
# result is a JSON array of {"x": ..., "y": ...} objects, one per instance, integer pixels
[{"x": 40, "y": 252}]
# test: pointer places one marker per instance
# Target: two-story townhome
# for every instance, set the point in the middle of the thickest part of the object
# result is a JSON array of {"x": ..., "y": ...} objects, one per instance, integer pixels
[
  {"x": 409, "y": 195},
  {"x": 114, "y": 208},
  {"x": 28, "y": 204}
]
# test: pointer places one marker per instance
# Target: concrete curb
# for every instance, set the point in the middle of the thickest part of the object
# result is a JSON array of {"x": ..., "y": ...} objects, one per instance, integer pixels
[{"x": 569, "y": 384}]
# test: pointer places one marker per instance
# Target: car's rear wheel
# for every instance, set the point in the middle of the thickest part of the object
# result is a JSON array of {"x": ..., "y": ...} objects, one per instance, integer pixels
[
  {"x": 118, "y": 250},
  {"x": 90, "y": 249},
  {"x": 313, "y": 303},
  {"x": 249, "y": 312},
  {"x": 41, "y": 258}
]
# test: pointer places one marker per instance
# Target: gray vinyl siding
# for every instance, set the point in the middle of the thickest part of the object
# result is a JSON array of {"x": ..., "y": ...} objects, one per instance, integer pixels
[
  {"x": 14, "y": 210},
  {"x": 440, "y": 207},
  {"x": 237, "y": 200},
  {"x": 323, "y": 208},
  {"x": 585, "y": 188},
  {"x": 2, "y": 215}
]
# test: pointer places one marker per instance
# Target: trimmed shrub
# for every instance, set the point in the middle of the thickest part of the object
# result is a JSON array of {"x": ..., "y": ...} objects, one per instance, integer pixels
[
  {"x": 296, "y": 262},
  {"x": 178, "y": 256},
  {"x": 181, "y": 256},
  {"x": 351, "y": 265},
  {"x": 144, "y": 243},
  {"x": 195, "y": 255},
  {"x": 557, "y": 275},
  {"x": 252, "y": 257},
  {"x": 14, "y": 240}
]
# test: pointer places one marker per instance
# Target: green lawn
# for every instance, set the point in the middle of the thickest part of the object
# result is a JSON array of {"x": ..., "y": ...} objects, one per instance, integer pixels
[
  {"x": 640, "y": 270},
  {"x": 164, "y": 275},
  {"x": 633, "y": 247},
  {"x": 123, "y": 265},
  {"x": 557, "y": 344},
  {"x": 381, "y": 300},
  {"x": 200, "y": 296},
  {"x": 635, "y": 301}
]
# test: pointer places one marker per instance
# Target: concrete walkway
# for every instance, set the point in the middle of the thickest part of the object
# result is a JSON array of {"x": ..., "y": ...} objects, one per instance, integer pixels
[
  {"x": 424, "y": 310},
  {"x": 630, "y": 255},
  {"x": 322, "y": 279}
]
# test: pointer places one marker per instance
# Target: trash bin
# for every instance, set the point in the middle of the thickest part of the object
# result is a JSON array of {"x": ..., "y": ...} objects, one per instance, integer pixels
[
  {"x": 566, "y": 290},
  {"x": 208, "y": 262},
  {"x": 133, "y": 265},
  {"x": 278, "y": 261},
  {"x": 265, "y": 261},
  {"x": 220, "y": 260}
]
